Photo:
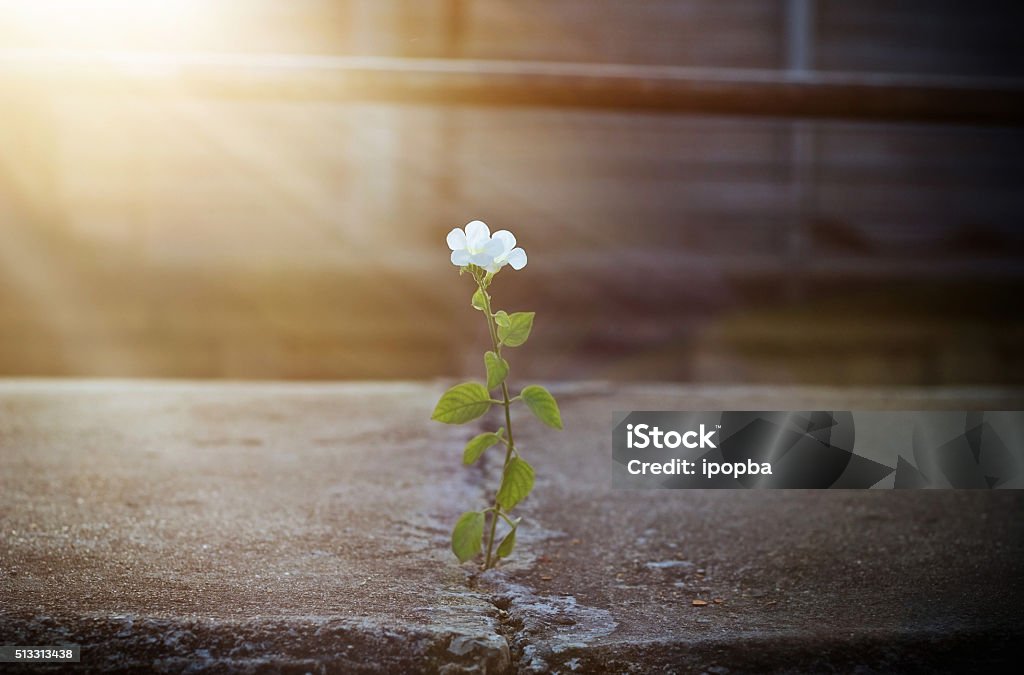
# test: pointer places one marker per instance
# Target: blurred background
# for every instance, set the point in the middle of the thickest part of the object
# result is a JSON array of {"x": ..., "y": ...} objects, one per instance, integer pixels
[{"x": 155, "y": 223}]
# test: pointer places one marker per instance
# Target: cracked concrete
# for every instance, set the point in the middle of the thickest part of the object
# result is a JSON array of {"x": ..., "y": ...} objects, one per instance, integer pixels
[{"x": 304, "y": 528}]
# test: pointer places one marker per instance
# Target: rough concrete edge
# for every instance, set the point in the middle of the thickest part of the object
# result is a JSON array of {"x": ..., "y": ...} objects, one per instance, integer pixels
[
  {"x": 864, "y": 652},
  {"x": 320, "y": 645},
  {"x": 277, "y": 644}
]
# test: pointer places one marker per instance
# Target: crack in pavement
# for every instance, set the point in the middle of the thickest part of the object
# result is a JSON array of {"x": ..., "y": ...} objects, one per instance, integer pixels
[{"x": 534, "y": 633}]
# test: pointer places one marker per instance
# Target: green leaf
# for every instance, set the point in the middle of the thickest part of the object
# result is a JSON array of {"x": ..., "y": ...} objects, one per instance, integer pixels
[
  {"x": 543, "y": 405},
  {"x": 468, "y": 535},
  {"x": 497, "y": 369},
  {"x": 518, "y": 329},
  {"x": 479, "y": 301},
  {"x": 502, "y": 319},
  {"x": 462, "y": 403},
  {"x": 507, "y": 544},
  {"x": 516, "y": 483},
  {"x": 477, "y": 445}
]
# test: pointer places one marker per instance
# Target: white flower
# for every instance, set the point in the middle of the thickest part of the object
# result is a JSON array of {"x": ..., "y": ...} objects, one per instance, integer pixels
[{"x": 477, "y": 246}]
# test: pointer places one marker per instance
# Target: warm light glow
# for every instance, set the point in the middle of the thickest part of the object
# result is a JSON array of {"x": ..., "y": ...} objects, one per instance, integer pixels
[{"x": 98, "y": 24}]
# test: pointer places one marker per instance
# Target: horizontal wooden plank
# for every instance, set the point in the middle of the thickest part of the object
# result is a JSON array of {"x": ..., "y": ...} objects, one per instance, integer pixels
[{"x": 664, "y": 89}]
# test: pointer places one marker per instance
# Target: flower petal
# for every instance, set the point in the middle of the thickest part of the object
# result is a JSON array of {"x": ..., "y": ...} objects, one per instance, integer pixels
[
  {"x": 517, "y": 258},
  {"x": 482, "y": 259},
  {"x": 460, "y": 257},
  {"x": 495, "y": 248},
  {"x": 507, "y": 238},
  {"x": 477, "y": 234},
  {"x": 456, "y": 239}
]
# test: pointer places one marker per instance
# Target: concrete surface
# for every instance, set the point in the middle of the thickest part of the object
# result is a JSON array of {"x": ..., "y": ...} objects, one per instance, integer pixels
[{"x": 304, "y": 528}]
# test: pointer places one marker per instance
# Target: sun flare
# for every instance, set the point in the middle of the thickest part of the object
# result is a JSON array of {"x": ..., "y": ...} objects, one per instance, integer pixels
[{"x": 98, "y": 24}]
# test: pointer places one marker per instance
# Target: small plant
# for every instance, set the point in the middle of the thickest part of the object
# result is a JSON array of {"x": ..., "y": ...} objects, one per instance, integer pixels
[{"x": 482, "y": 255}]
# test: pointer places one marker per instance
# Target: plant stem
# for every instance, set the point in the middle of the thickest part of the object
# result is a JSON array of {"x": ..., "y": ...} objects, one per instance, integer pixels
[{"x": 510, "y": 445}]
